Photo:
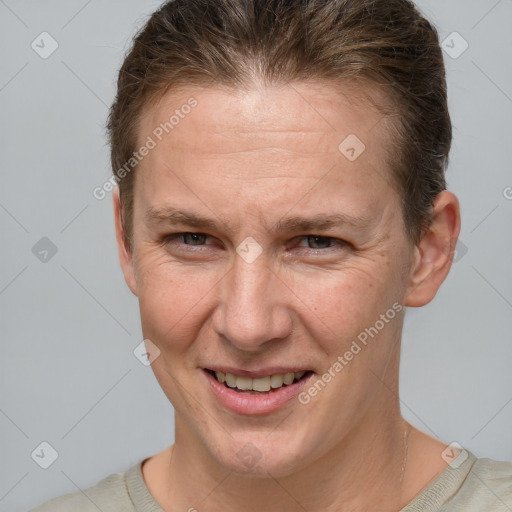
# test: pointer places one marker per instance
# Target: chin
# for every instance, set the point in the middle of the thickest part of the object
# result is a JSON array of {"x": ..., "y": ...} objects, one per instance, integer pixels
[{"x": 256, "y": 455}]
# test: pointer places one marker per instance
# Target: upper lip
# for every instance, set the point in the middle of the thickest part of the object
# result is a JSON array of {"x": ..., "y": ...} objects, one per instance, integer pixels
[{"x": 262, "y": 372}]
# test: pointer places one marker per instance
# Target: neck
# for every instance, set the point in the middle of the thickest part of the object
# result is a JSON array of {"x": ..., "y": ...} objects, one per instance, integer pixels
[{"x": 363, "y": 472}]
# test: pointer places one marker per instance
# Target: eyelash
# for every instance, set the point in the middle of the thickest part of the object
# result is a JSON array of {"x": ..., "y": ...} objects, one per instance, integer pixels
[{"x": 333, "y": 241}]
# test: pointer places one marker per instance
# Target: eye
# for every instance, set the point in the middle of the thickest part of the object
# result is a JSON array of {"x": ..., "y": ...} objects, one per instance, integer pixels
[
  {"x": 316, "y": 242},
  {"x": 188, "y": 238},
  {"x": 193, "y": 238},
  {"x": 313, "y": 243}
]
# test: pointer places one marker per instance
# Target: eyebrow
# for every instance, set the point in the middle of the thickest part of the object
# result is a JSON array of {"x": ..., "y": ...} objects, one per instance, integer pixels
[{"x": 171, "y": 216}]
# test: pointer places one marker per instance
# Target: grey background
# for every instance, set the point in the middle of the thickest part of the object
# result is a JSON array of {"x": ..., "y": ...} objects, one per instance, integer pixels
[{"x": 70, "y": 324}]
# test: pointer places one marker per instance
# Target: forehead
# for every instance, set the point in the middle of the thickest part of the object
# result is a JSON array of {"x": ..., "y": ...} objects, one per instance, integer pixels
[
  {"x": 281, "y": 141},
  {"x": 225, "y": 117}
]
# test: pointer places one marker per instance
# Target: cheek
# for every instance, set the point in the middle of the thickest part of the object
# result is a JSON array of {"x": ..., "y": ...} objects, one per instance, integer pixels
[
  {"x": 338, "y": 305},
  {"x": 173, "y": 300}
]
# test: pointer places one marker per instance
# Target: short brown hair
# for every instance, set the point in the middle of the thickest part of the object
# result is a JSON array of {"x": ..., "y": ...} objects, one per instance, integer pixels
[{"x": 384, "y": 43}]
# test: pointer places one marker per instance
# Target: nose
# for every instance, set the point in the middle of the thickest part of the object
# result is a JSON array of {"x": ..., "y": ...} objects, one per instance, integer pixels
[{"x": 252, "y": 309}]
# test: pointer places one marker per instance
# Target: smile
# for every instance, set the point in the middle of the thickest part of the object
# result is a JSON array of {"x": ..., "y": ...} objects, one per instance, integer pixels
[
  {"x": 263, "y": 384},
  {"x": 256, "y": 394}
]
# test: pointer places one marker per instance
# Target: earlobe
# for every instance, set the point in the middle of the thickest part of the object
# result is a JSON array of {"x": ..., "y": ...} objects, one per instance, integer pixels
[
  {"x": 434, "y": 253},
  {"x": 125, "y": 254}
]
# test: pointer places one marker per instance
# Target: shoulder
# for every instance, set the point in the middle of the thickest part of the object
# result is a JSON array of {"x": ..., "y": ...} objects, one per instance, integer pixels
[
  {"x": 109, "y": 495},
  {"x": 488, "y": 487}
]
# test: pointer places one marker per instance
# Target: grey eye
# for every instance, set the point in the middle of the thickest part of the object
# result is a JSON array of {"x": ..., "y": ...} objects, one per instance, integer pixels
[
  {"x": 319, "y": 242},
  {"x": 193, "y": 238}
]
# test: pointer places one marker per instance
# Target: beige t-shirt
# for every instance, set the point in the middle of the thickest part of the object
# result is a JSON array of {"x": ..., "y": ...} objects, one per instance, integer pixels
[{"x": 476, "y": 485}]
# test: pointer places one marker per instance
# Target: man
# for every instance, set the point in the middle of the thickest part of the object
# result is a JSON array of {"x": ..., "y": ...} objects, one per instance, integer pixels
[{"x": 281, "y": 202}]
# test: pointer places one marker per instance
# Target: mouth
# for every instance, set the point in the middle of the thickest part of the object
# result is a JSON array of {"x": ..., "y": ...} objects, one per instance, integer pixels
[{"x": 261, "y": 385}]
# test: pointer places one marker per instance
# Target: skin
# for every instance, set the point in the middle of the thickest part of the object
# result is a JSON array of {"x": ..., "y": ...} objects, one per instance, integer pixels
[{"x": 247, "y": 159}]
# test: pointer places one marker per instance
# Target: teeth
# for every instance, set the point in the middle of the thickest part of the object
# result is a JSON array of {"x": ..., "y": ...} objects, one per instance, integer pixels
[
  {"x": 288, "y": 378},
  {"x": 230, "y": 380},
  {"x": 276, "y": 381},
  {"x": 262, "y": 384},
  {"x": 244, "y": 383}
]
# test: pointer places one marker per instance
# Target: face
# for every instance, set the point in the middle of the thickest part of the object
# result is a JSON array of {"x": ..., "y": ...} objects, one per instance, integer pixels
[{"x": 267, "y": 256}]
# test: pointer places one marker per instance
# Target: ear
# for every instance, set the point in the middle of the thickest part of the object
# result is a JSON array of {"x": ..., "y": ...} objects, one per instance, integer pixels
[
  {"x": 125, "y": 254},
  {"x": 434, "y": 253}
]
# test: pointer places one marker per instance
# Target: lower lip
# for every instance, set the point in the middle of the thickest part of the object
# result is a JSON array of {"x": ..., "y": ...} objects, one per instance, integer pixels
[{"x": 249, "y": 404}]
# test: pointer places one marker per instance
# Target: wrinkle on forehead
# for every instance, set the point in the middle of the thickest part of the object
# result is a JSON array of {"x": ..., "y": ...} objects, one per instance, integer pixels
[{"x": 279, "y": 112}]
